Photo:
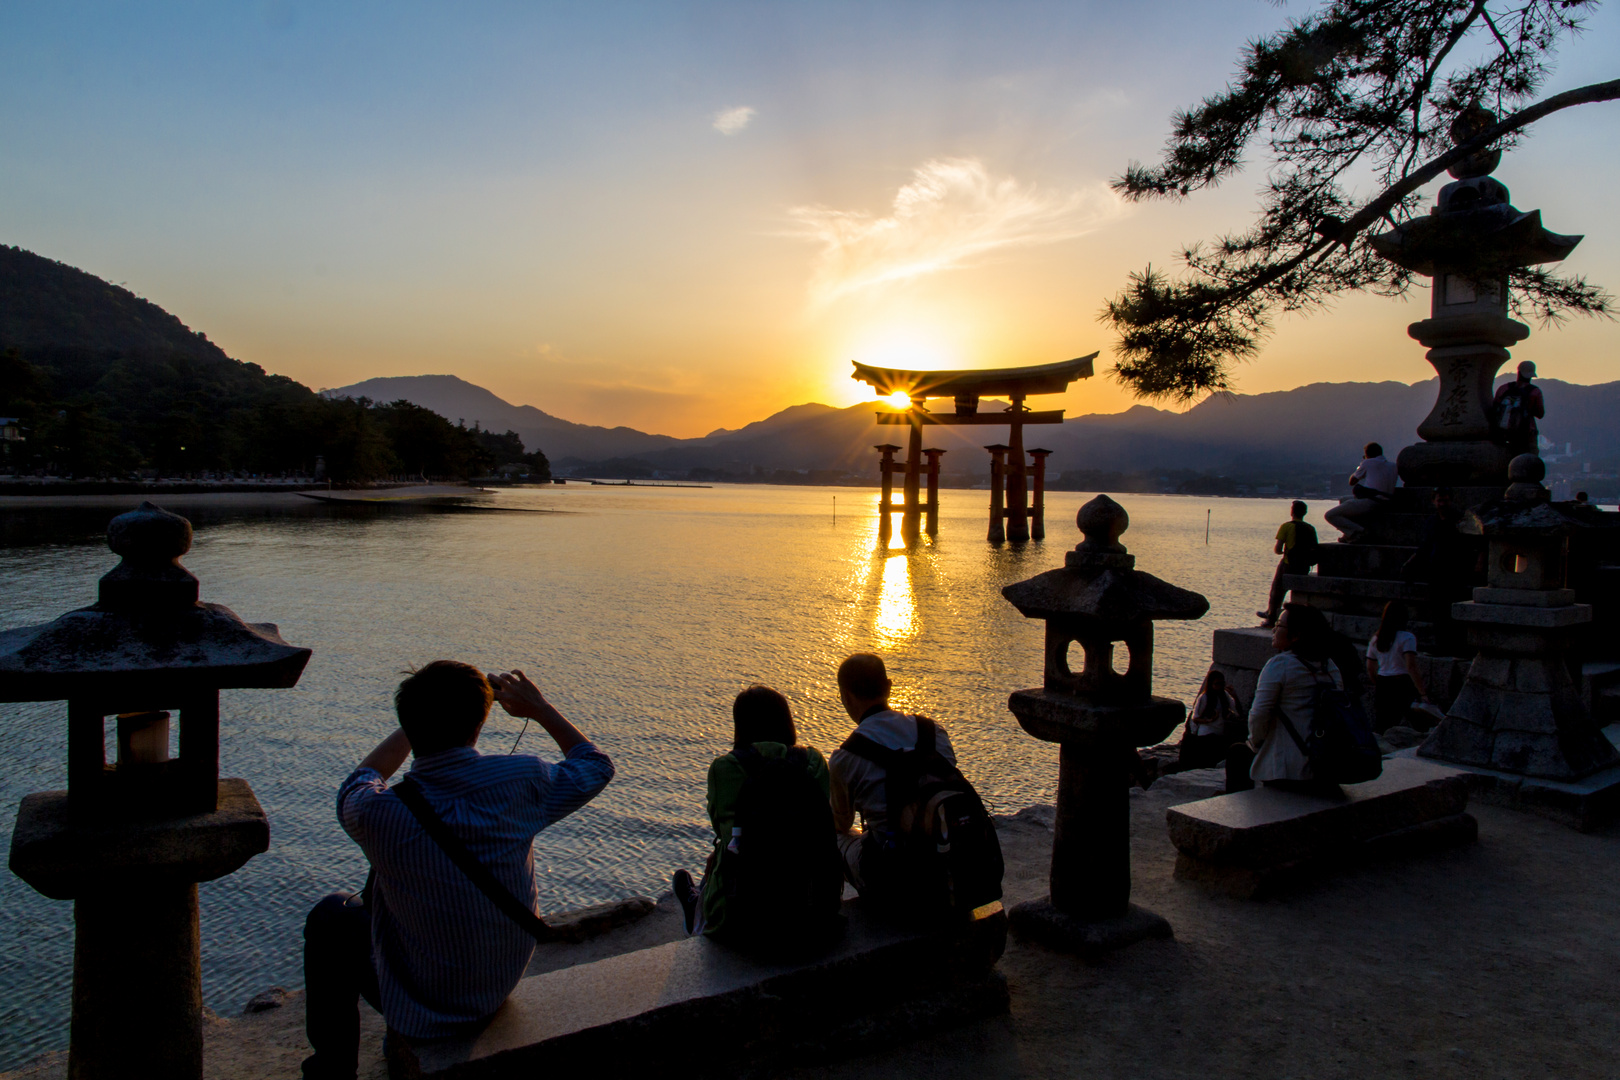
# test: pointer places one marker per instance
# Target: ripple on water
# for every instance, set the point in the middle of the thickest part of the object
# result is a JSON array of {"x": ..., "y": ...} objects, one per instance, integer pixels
[{"x": 641, "y": 614}]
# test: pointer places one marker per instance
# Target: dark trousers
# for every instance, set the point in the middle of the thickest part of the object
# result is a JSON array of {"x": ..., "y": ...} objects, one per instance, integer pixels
[
  {"x": 338, "y": 972},
  {"x": 1392, "y": 699}
]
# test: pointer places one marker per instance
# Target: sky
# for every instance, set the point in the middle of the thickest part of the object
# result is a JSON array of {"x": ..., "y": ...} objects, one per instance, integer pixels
[{"x": 682, "y": 217}]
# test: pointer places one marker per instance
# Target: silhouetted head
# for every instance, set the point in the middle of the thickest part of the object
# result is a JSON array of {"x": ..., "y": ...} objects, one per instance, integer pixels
[
  {"x": 863, "y": 681},
  {"x": 1213, "y": 691},
  {"x": 1527, "y": 369},
  {"x": 1582, "y": 497},
  {"x": 1372, "y": 449},
  {"x": 442, "y": 706},
  {"x": 760, "y": 714},
  {"x": 1303, "y": 631},
  {"x": 1391, "y": 623},
  {"x": 1297, "y": 511}
]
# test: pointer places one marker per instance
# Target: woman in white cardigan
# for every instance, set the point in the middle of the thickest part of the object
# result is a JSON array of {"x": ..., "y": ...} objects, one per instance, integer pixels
[{"x": 1287, "y": 687}]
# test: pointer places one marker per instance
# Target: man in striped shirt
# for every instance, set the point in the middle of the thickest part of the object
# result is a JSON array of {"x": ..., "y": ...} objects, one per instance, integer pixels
[{"x": 430, "y": 950}]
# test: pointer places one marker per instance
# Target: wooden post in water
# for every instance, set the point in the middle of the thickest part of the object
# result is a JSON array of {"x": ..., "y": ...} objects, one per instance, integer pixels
[
  {"x": 910, "y": 520},
  {"x": 1017, "y": 486},
  {"x": 998, "y": 511},
  {"x": 885, "y": 506},
  {"x": 931, "y": 524},
  {"x": 1037, "y": 521}
]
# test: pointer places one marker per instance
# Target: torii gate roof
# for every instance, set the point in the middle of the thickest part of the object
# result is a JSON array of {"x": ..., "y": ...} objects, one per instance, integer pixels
[{"x": 1034, "y": 379}]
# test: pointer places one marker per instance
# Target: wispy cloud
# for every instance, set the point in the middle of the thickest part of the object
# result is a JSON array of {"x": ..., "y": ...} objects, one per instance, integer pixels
[
  {"x": 951, "y": 213},
  {"x": 730, "y": 121}
]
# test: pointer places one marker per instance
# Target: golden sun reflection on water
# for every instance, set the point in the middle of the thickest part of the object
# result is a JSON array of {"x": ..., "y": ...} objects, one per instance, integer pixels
[{"x": 896, "y": 620}]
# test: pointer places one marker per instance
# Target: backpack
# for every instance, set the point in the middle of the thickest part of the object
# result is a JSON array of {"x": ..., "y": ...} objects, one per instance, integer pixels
[
  {"x": 939, "y": 849},
  {"x": 783, "y": 875},
  {"x": 1307, "y": 549},
  {"x": 1340, "y": 746},
  {"x": 1510, "y": 415}
]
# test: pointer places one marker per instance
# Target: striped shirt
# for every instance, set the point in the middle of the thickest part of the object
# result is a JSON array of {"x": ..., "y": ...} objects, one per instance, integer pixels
[{"x": 446, "y": 956}]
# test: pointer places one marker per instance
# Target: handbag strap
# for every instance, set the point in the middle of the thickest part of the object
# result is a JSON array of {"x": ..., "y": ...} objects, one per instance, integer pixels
[
  {"x": 410, "y": 793},
  {"x": 1316, "y": 679}
]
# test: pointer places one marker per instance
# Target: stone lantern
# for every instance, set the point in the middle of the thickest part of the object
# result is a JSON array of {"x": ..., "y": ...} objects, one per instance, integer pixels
[
  {"x": 1097, "y": 716},
  {"x": 1468, "y": 242},
  {"x": 128, "y": 842},
  {"x": 1519, "y": 712}
]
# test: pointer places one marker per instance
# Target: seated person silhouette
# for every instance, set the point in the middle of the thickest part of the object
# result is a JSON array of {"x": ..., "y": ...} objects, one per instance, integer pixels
[
  {"x": 773, "y": 880},
  {"x": 426, "y": 944},
  {"x": 927, "y": 844}
]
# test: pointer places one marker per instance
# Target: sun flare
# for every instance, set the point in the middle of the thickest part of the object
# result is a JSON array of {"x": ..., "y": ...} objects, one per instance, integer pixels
[{"x": 898, "y": 400}]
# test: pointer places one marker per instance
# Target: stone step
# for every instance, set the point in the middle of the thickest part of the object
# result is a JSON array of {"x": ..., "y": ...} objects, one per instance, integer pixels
[
  {"x": 1249, "y": 842},
  {"x": 1363, "y": 560},
  {"x": 695, "y": 1005},
  {"x": 1361, "y": 628}
]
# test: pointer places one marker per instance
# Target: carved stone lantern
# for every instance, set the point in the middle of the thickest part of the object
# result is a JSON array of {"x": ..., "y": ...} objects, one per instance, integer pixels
[
  {"x": 1097, "y": 716},
  {"x": 128, "y": 842},
  {"x": 1519, "y": 711},
  {"x": 1467, "y": 243}
]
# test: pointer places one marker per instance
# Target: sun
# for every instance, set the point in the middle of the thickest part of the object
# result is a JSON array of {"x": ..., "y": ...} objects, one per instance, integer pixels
[{"x": 898, "y": 400}]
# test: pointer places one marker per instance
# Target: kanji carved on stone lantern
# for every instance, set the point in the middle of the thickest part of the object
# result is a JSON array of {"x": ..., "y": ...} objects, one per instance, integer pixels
[
  {"x": 1098, "y": 716},
  {"x": 128, "y": 842}
]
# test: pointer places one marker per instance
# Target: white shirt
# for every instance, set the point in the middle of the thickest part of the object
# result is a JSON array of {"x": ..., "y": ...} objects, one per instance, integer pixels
[
  {"x": 1378, "y": 472},
  {"x": 858, "y": 785},
  {"x": 1287, "y": 686},
  {"x": 1393, "y": 662},
  {"x": 1220, "y": 711}
]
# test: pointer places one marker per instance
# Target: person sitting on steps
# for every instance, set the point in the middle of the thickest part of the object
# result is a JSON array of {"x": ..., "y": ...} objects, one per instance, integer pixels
[
  {"x": 774, "y": 871},
  {"x": 425, "y": 944},
  {"x": 1209, "y": 731},
  {"x": 1371, "y": 487},
  {"x": 1393, "y": 668},
  {"x": 1305, "y": 645},
  {"x": 1296, "y": 543}
]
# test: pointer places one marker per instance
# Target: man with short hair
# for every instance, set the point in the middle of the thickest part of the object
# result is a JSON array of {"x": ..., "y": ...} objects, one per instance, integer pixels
[
  {"x": 1296, "y": 543},
  {"x": 858, "y": 785},
  {"x": 1371, "y": 487},
  {"x": 429, "y": 948},
  {"x": 1515, "y": 409}
]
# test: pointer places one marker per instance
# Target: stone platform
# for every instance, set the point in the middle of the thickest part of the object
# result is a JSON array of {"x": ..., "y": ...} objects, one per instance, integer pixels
[
  {"x": 1252, "y": 842},
  {"x": 694, "y": 1007},
  {"x": 1587, "y": 804}
]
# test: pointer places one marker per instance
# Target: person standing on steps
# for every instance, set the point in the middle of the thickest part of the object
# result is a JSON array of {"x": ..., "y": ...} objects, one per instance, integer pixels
[
  {"x": 1515, "y": 409},
  {"x": 1372, "y": 486},
  {"x": 1296, "y": 543}
]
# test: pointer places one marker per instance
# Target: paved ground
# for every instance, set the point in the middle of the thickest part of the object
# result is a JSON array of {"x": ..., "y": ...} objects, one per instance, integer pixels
[{"x": 1498, "y": 960}]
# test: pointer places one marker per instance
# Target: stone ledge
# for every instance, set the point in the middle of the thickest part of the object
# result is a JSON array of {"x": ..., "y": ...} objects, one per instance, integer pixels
[
  {"x": 63, "y": 858},
  {"x": 1520, "y": 615},
  {"x": 1257, "y": 834},
  {"x": 1372, "y": 588},
  {"x": 1484, "y": 594},
  {"x": 695, "y": 1006},
  {"x": 1590, "y": 803},
  {"x": 1242, "y": 647}
]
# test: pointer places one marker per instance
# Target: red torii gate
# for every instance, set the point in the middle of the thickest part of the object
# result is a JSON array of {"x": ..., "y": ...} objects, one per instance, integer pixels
[{"x": 966, "y": 387}]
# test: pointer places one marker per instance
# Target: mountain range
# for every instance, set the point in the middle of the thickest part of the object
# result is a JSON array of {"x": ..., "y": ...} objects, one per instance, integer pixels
[{"x": 1321, "y": 425}]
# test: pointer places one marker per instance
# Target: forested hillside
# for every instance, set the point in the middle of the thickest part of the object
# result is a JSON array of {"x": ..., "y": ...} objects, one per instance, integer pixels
[{"x": 108, "y": 384}]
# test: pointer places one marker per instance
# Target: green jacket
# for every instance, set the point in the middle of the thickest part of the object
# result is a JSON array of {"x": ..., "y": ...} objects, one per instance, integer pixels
[{"x": 726, "y": 778}]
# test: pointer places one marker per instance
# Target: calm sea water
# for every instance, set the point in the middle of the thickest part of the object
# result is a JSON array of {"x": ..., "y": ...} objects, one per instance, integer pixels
[{"x": 641, "y": 612}]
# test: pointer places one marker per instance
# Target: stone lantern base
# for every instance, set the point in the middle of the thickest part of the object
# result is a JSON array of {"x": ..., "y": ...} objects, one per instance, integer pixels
[
  {"x": 1044, "y": 922},
  {"x": 1519, "y": 724}
]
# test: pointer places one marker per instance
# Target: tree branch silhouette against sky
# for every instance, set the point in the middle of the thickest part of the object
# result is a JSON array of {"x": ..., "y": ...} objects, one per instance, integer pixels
[{"x": 1368, "y": 91}]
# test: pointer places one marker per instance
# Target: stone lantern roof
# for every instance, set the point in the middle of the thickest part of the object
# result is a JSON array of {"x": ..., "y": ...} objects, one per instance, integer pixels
[
  {"x": 148, "y": 635},
  {"x": 1099, "y": 579}
]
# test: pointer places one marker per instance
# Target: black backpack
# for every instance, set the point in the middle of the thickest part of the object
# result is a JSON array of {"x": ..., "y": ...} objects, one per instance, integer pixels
[
  {"x": 1341, "y": 746},
  {"x": 939, "y": 849},
  {"x": 1307, "y": 550},
  {"x": 1510, "y": 415},
  {"x": 784, "y": 877}
]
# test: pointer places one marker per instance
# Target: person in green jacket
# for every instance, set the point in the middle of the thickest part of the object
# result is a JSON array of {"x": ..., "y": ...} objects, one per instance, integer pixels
[{"x": 761, "y": 718}]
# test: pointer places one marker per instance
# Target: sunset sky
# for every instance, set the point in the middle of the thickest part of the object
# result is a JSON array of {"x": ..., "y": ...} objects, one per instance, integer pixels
[{"x": 679, "y": 217}]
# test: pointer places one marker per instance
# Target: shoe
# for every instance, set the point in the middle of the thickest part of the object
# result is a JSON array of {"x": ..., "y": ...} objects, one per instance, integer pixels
[{"x": 686, "y": 894}]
